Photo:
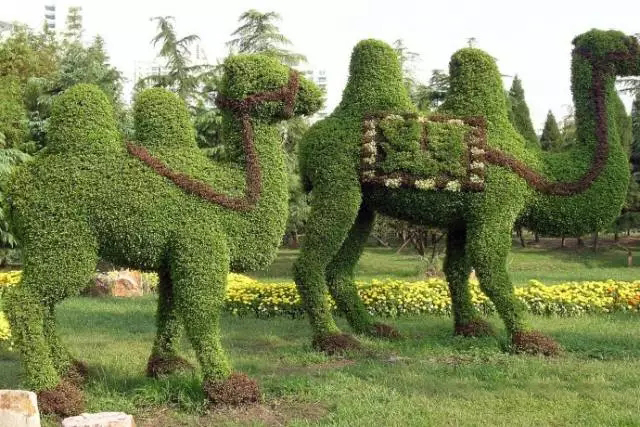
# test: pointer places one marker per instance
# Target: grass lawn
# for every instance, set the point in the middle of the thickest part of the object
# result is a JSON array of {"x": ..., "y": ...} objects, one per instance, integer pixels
[
  {"x": 548, "y": 265},
  {"x": 429, "y": 378}
]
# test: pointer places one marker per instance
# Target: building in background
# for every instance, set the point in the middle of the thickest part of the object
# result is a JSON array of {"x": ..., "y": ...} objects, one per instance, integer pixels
[
  {"x": 5, "y": 26},
  {"x": 142, "y": 69},
  {"x": 50, "y": 16},
  {"x": 319, "y": 77}
]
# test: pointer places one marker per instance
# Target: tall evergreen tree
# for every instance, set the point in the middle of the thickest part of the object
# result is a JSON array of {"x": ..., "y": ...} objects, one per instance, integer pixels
[
  {"x": 551, "y": 138},
  {"x": 635, "y": 131},
  {"x": 258, "y": 33},
  {"x": 520, "y": 116}
]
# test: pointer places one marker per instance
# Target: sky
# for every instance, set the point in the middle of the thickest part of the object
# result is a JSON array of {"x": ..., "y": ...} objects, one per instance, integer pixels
[{"x": 529, "y": 38}]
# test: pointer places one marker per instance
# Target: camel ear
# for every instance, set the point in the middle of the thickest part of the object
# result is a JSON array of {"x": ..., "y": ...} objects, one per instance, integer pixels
[{"x": 309, "y": 99}]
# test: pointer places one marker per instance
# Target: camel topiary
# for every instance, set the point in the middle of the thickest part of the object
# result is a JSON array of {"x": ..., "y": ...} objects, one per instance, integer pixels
[
  {"x": 469, "y": 173},
  {"x": 155, "y": 204}
]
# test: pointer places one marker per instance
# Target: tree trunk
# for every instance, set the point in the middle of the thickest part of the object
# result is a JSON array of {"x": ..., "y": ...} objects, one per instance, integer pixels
[
  {"x": 562, "y": 242},
  {"x": 536, "y": 237},
  {"x": 595, "y": 242},
  {"x": 580, "y": 242},
  {"x": 520, "y": 236},
  {"x": 616, "y": 236}
]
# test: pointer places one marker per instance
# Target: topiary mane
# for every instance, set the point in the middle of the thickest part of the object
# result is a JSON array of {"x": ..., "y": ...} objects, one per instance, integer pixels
[
  {"x": 469, "y": 172},
  {"x": 147, "y": 205}
]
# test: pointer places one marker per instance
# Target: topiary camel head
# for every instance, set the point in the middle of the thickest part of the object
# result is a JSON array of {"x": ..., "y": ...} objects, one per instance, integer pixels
[
  {"x": 266, "y": 90},
  {"x": 616, "y": 52}
]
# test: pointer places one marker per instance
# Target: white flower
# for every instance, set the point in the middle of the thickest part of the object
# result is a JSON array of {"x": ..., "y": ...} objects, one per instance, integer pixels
[
  {"x": 422, "y": 119},
  {"x": 394, "y": 117},
  {"x": 369, "y": 148},
  {"x": 393, "y": 182},
  {"x": 370, "y": 134},
  {"x": 477, "y": 165},
  {"x": 370, "y": 124},
  {"x": 425, "y": 184},
  {"x": 369, "y": 160},
  {"x": 452, "y": 186},
  {"x": 475, "y": 178},
  {"x": 455, "y": 122},
  {"x": 476, "y": 151},
  {"x": 369, "y": 174}
]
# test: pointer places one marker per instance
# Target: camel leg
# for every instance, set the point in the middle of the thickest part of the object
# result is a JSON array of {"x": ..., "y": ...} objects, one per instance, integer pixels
[
  {"x": 340, "y": 278},
  {"x": 457, "y": 267},
  {"x": 199, "y": 264},
  {"x": 164, "y": 359},
  {"x": 30, "y": 308},
  {"x": 334, "y": 208},
  {"x": 489, "y": 245}
]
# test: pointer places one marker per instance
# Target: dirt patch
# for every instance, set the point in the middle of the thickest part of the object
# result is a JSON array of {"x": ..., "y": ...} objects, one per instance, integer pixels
[
  {"x": 316, "y": 367},
  {"x": 274, "y": 414}
]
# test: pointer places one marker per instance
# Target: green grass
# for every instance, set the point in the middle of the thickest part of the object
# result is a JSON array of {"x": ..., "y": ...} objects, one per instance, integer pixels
[
  {"x": 545, "y": 265},
  {"x": 429, "y": 378}
]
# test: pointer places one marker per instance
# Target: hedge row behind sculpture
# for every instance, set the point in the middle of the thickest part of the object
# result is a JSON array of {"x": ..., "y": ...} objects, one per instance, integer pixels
[
  {"x": 575, "y": 192},
  {"x": 161, "y": 207}
]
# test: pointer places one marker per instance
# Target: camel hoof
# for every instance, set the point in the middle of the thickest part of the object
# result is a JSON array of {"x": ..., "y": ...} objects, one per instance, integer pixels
[
  {"x": 382, "y": 330},
  {"x": 65, "y": 400},
  {"x": 534, "y": 342},
  {"x": 77, "y": 373},
  {"x": 475, "y": 328},
  {"x": 159, "y": 366},
  {"x": 335, "y": 343},
  {"x": 237, "y": 389}
]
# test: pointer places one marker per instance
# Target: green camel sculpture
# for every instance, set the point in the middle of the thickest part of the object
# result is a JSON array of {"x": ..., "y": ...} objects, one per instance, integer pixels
[
  {"x": 156, "y": 204},
  {"x": 471, "y": 175}
]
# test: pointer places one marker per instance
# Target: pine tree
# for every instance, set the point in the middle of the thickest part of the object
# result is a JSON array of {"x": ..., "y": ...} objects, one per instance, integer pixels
[
  {"x": 635, "y": 133},
  {"x": 520, "y": 116},
  {"x": 551, "y": 138}
]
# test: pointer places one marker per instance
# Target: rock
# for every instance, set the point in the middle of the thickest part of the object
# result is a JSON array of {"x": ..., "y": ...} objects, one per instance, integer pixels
[
  {"x": 19, "y": 408},
  {"x": 123, "y": 283},
  {"x": 101, "y": 419},
  {"x": 128, "y": 283}
]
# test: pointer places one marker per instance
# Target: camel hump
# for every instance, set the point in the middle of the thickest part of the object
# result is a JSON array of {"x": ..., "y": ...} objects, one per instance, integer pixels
[
  {"x": 82, "y": 118},
  {"x": 161, "y": 119}
]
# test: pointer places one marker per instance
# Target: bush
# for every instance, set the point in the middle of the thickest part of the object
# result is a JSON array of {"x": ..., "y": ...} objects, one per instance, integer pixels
[{"x": 393, "y": 298}]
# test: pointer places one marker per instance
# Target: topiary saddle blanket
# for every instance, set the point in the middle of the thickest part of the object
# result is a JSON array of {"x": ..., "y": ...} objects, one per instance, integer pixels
[{"x": 426, "y": 153}]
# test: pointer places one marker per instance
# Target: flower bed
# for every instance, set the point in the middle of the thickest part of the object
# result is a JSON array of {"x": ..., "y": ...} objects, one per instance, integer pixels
[{"x": 391, "y": 298}]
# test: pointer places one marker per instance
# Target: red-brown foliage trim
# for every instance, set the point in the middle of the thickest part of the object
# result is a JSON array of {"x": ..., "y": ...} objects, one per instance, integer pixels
[
  {"x": 253, "y": 178},
  {"x": 66, "y": 400},
  {"x": 601, "y": 154}
]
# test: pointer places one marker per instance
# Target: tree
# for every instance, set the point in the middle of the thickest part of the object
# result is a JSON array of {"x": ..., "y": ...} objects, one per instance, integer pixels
[
  {"x": 635, "y": 133},
  {"x": 551, "y": 138},
  {"x": 179, "y": 75},
  {"x": 73, "y": 25},
  {"x": 439, "y": 86},
  {"x": 259, "y": 34},
  {"x": 520, "y": 116},
  {"x": 568, "y": 128}
]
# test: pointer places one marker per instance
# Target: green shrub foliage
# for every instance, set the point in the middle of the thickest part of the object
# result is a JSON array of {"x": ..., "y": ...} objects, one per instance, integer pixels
[
  {"x": 13, "y": 115},
  {"x": 86, "y": 197},
  {"x": 479, "y": 223}
]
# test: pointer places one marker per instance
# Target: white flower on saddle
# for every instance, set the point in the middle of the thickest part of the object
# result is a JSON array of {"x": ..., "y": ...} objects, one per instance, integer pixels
[
  {"x": 453, "y": 186},
  {"x": 393, "y": 182},
  {"x": 477, "y": 151},
  {"x": 477, "y": 165},
  {"x": 455, "y": 122},
  {"x": 425, "y": 184},
  {"x": 475, "y": 179}
]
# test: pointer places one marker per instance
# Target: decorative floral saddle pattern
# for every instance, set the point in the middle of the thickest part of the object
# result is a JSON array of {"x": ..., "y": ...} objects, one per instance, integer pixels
[{"x": 426, "y": 153}]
